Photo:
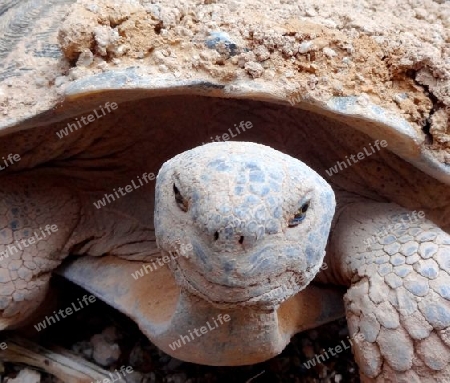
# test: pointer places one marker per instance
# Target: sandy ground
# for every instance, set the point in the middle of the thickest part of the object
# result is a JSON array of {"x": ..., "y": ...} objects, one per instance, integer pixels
[{"x": 395, "y": 52}]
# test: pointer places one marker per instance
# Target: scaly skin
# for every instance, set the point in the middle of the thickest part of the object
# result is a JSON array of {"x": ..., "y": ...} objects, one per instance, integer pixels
[
  {"x": 30, "y": 206},
  {"x": 400, "y": 304},
  {"x": 399, "y": 297},
  {"x": 237, "y": 218}
]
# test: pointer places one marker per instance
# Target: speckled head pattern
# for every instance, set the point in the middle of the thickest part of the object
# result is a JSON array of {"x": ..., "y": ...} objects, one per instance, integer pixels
[{"x": 240, "y": 207}]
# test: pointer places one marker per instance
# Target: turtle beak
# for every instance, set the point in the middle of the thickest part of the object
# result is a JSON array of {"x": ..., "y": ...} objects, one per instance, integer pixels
[{"x": 190, "y": 328}]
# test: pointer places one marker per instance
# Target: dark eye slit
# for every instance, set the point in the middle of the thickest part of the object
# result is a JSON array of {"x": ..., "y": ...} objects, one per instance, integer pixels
[{"x": 180, "y": 200}]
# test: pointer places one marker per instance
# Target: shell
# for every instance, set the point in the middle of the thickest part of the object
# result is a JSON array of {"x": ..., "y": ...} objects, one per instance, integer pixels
[
  {"x": 291, "y": 63},
  {"x": 103, "y": 51}
]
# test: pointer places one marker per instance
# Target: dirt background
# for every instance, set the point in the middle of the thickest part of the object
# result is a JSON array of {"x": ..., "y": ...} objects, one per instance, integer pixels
[{"x": 396, "y": 53}]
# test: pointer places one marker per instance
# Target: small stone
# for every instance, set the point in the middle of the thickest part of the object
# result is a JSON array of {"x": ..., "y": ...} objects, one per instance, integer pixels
[
  {"x": 305, "y": 47},
  {"x": 246, "y": 57},
  {"x": 330, "y": 53},
  {"x": 134, "y": 377},
  {"x": 85, "y": 58},
  {"x": 261, "y": 53},
  {"x": 26, "y": 375},
  {"x": 400, "y": 97},
  {"x": 347, "y": 61},
  {"x": 105, "y": 353},
  {"x": 106, "y": 39},
  {"x": 445, "y": 336},
  {"x": 254, "y": 69}
]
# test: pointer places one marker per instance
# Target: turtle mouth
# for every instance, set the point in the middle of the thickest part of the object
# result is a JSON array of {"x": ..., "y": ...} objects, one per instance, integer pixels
[{"x": 266, "y": 295}]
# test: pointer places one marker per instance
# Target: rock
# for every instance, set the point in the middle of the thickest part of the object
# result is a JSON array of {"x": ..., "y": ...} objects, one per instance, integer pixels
[
  {"x": 26, "y": 375},
  {"x": 106, "y": 350},
  {"x": 134, "y": 377}
]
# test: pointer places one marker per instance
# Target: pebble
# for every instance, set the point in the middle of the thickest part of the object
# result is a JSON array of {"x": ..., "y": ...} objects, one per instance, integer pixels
[
  {"x": 305, "y": 46},
  {"x": 329, "y": 52},
  {"x": 85, "y": 58},
  {"x": 254, "y": 69},
  {"x": 134, "y": 377},
  {"x": 106, "y": 350},
  {"x": 26, "y": 375}
]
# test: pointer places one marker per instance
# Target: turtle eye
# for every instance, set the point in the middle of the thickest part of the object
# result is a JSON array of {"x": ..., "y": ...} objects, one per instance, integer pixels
[
  {"x": 300, "y": 215},
  {"x": 180, "y": 200}
]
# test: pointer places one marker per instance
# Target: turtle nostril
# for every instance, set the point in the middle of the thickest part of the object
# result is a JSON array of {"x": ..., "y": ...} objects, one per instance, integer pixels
[
  {"x": 241, "y": 239},
  {"x": 216, "y": 236}
]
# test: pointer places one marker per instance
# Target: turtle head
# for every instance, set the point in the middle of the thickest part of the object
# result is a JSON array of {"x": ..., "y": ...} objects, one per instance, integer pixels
[{"x": 243, "y": 223}]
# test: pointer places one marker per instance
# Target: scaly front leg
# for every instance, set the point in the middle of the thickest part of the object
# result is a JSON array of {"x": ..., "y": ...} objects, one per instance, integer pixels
[
  {"x": 37, "y": 220},
  {"x": 398, "y": 269}
]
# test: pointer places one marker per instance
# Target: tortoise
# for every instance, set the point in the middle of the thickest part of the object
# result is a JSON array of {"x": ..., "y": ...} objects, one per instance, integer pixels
[{"x": 219, "y": 187}]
